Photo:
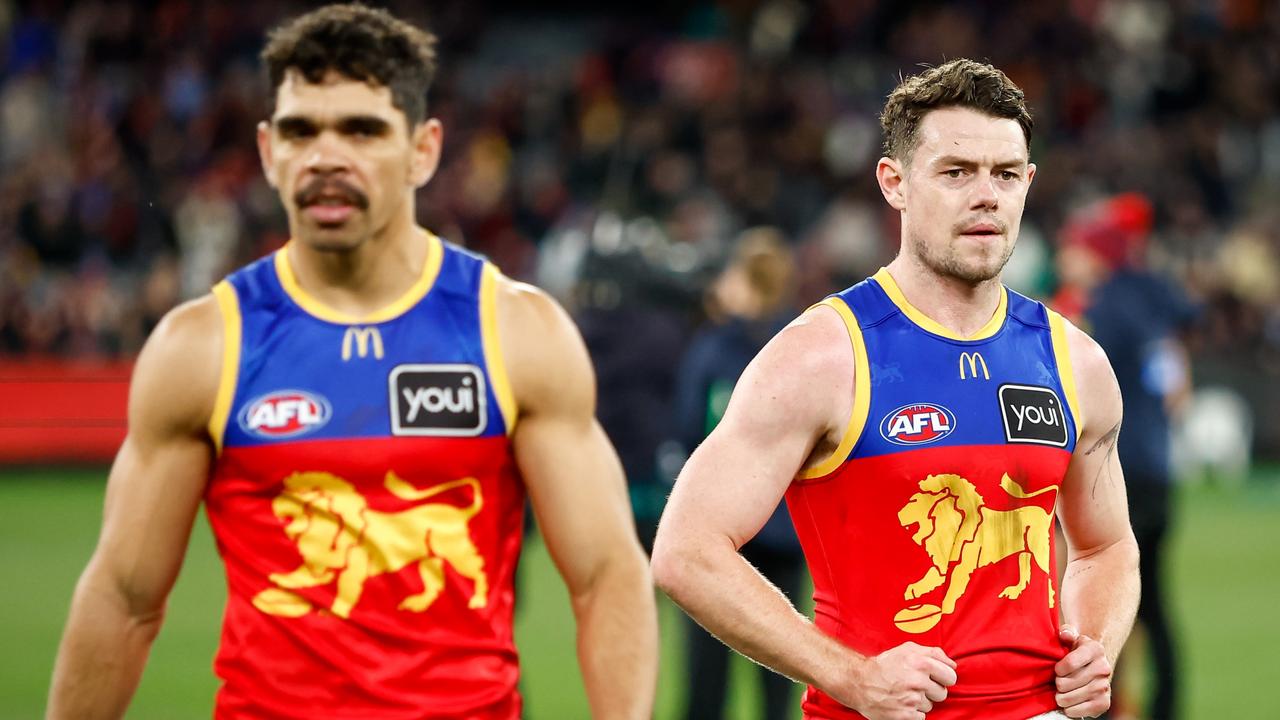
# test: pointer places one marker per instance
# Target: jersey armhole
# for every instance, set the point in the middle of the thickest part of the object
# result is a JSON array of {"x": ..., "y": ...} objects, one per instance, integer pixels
[
  {"x": 229, "y": 307},
  {"x": 861, "y": 394},
  {"x": 493, "y": 358},
  {"x": 1066, "y": 372}
]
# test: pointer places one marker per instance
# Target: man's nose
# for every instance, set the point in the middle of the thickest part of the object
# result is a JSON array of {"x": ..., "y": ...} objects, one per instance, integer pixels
[
  {"x": 984, "y": 193},
  {"x": 327, "y": 155}
]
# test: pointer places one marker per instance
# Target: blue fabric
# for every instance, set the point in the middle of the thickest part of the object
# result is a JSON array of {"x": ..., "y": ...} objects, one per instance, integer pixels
[
  {"x": 284, "y": 348},
  {"x": 912, "y": 367}
]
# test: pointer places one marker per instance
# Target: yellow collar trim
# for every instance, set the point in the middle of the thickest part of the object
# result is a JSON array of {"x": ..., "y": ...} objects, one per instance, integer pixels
[
  {"x": 890, "y": 287},
  {"x": 419, "y": 289}
]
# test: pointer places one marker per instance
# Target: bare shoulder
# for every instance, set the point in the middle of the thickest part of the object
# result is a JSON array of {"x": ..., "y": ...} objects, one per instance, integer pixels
[
  {"x": 815, "y": 347},
  {"x": 1087, "y": 357},
  {"x": 176, "y": 377},
  {"x": 544, "y": 354},
  {"x": 801, "y": 381},
  {"x": 1096, "y": 383}
]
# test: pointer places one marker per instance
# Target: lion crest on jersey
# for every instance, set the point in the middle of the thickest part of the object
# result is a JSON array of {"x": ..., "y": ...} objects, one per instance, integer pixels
[
  {"x": 960, "y": 535},
  {"x": 342, "y": 540}
]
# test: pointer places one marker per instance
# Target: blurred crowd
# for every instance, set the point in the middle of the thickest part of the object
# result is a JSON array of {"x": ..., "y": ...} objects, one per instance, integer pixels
[{"x": 612, "y": 153}]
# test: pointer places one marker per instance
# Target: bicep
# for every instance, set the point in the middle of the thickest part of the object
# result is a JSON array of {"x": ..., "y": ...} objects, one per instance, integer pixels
[
  {"x": 159, "y": 474},
  {"x": 578, "y": 492},
  {"x": 153, "y": 493},
  {"x": 575, "y": 481},
  {"x": 781, "y": 408},
  {"x": 1094, "y": 505}
]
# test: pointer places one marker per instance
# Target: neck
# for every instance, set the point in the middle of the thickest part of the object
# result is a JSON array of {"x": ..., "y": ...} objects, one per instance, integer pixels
[
  {"x": 361, "y": 280},
  {"x": 963, "y": 308}
]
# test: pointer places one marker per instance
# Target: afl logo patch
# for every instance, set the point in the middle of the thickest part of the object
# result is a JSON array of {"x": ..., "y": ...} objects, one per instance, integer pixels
[
  {"x": 1032, "y": 414},
  {"x": 444, "y": 400},
  {"x": 917, "y": 424},
  {"x": 285, "y": 414}
]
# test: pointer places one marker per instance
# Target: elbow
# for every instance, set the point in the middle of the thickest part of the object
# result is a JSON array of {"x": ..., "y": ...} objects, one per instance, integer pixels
[
  {"x": 1131, "y": 554},
  {"x": 669, "y": 563}
]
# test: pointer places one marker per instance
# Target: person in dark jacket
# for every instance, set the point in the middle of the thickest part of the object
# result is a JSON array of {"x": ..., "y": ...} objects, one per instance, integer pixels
[{"x": 1137, "y": 316}]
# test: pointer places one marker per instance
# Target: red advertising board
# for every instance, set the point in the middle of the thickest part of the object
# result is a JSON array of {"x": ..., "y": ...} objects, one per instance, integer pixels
[{"x": 62, "y": 411}]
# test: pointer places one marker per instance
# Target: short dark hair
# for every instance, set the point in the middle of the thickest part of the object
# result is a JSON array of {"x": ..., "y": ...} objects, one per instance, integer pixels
[
  {"x": 957, "y": 83},
  {"x": 358, "y": 42}
]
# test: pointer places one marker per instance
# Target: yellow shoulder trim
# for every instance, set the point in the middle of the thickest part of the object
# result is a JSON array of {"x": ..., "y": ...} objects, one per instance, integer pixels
[
  {"x": 890, "y": 287},
  {"x": 229, "y": 306},
  {"x": 492, "y": 341},
  {"x": 861, "y": 393},
  {"x": 417, "y": 291},
  {"x": 1066, "y": 372}
]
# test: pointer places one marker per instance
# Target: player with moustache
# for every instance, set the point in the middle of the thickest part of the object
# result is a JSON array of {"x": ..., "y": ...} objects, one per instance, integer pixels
[
  {"x": 363, "y": 414},
  {"x": 925, "y": 427}
]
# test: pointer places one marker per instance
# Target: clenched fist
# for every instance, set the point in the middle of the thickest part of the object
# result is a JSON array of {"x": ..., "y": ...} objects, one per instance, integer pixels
[
  {"x": 1084, "y": 676},
  {"x": 899, "y": 684}
]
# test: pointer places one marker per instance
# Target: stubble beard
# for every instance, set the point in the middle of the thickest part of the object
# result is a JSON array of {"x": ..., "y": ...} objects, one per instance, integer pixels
[{"x": 948, "y": 262}]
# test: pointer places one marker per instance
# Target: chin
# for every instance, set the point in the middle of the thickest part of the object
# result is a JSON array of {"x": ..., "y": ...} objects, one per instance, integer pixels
[
  {"x": 973, "y": 272},
  {"x": 340, "y": 239}
]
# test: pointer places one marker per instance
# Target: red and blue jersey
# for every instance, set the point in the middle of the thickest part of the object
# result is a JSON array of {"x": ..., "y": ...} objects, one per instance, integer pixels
[
  {"x": 933, "y": 520},
  {"x": 365, "y": 500}
]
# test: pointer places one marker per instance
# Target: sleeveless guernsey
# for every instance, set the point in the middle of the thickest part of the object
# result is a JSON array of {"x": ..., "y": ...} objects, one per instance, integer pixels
[
  {"x": 365, "y": 500},
  {"x": 933, "y": 520}
]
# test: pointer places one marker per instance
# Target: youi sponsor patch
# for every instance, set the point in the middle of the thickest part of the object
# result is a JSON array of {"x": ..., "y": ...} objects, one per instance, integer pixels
[
  {"x": 285, "y": 414},
  {"x": 446, "y": 399},
  {"x": 1033, "y": 414}
]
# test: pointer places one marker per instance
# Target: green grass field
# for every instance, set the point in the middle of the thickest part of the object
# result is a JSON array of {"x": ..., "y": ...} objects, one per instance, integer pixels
[{"x": 1225, "y": 578}]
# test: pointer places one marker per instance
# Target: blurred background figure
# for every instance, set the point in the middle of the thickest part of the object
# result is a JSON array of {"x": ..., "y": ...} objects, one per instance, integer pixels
[
  {"x": 747, "y": 304},
  {"x": 1140, "y": 318}
]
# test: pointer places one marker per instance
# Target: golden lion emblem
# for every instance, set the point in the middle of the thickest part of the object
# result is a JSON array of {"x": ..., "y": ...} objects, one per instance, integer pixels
[
  {"x": 961, "y": 534},
  {"x": 341, "y": 538}
]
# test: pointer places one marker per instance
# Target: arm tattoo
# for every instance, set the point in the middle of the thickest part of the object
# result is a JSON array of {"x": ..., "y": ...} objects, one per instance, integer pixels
[{"x": 1107, "y": 441}]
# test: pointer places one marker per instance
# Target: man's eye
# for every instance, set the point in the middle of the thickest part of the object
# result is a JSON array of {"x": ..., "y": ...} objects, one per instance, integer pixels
[
  {"x": 1008, "y": 175},
  {"x": 293, "y": 132},
  {"x": 955, "y": 173}
]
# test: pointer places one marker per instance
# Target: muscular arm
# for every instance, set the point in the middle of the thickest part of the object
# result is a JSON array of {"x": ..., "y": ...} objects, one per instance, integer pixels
[
  {"x": 1100, "y": 587},
  {"x": 789, "y": 410},
  {"x": 579, "y": 496},
  {"x": 152, "y": 495}
]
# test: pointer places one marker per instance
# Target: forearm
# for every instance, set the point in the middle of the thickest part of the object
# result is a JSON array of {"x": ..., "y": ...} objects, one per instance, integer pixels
[
  {"x": 102, "y": 654},
  {"x": 618, "y": 640},
  {"x": 718, "y": 588},
  {"x": 1100, "y": 594}
]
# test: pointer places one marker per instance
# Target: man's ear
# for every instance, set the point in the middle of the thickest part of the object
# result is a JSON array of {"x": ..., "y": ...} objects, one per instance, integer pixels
[
  {"x": 891, "y": 174},
  {"x": 427, "y": 139},
  {"x": 264, "y": 153}
]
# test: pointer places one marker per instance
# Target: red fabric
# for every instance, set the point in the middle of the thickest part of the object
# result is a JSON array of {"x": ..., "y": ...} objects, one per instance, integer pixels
[
  {"x": 863, "y": 557},
  {"x": 381, "y": 660}
]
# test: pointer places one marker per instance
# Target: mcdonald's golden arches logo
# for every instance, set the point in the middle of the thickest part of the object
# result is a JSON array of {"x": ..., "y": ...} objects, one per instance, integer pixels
[
  {"x": 362, "y": 339},
  {"x": 972, "y": 361}
]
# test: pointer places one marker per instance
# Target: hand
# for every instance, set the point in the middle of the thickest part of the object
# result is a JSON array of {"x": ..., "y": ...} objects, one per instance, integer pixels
[
  {"x": 902, "y": 683},
  {"x": 1084, "y": 676}
]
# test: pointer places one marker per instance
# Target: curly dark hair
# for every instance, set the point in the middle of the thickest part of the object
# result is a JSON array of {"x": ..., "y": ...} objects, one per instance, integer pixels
[
  {"x": 957, "y": 83},
  {"x": 361, "y": 43}
]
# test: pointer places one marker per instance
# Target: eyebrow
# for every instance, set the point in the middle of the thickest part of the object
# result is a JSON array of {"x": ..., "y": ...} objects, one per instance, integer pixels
[
  {"x": 370, "y": 124},
  {"x": 970, "y": 163}
]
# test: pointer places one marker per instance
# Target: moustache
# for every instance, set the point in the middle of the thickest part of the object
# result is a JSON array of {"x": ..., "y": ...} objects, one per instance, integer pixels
[
  {"x": 1001, "y": 227},
  {"x": 330, "y": 188}
]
